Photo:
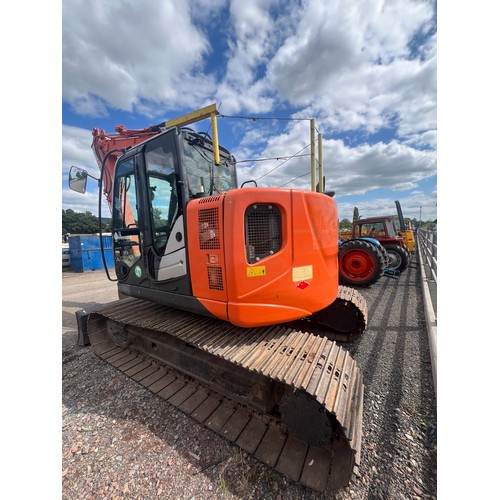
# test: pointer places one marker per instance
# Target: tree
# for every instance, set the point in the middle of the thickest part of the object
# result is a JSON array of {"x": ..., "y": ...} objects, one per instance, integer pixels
[
  {"x": 345, "y": 224},
  {"x": 355, "y": 215},
  {"x": 81, "y": 223}
]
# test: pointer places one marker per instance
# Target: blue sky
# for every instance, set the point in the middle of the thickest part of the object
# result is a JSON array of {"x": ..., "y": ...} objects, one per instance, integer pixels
[{"x": 365, "y": 71}]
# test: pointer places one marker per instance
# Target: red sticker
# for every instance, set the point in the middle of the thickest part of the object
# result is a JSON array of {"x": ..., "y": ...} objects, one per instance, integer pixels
[{"x": 303, "y": 284}]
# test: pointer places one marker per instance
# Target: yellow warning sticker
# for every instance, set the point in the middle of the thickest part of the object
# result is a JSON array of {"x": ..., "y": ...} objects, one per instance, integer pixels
[
  {"x": 256, "y": 271},
  {"x": 302, "y": 273}
]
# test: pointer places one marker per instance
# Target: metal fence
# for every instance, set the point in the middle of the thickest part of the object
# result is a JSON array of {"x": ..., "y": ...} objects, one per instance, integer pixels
[
  {"x": 427, "y": 256},
  {"x": 427, "y": 241}
]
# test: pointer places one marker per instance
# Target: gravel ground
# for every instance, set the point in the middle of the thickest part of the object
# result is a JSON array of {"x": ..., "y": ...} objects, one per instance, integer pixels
[{"x": 121, "y": 441}]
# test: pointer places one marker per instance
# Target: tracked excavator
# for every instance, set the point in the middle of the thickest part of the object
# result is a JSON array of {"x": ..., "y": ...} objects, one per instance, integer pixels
[{"x": 229, "y": 304}]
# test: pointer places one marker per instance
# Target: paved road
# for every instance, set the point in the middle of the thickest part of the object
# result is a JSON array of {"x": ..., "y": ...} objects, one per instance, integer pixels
[{"x": 80, "y": 290}]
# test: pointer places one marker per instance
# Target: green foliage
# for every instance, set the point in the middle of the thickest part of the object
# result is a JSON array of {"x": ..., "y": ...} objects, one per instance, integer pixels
[
  {"x": 157, "y": 218},
  {"x": 428, "y": 225},
  {"x": 355, "y": 215},
  {"x": 345, "y": 224},
  {"x": 82, "y": 223}
]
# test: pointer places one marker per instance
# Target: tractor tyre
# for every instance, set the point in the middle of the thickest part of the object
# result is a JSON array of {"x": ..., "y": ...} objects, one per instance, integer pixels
[
  {"x": 398, "y": 256},
  {"x": 387, "y": 258},
  {"x": 360, "y": 263}
]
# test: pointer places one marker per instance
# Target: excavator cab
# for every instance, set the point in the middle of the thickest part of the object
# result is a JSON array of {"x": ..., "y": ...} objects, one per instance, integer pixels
[{"x": 153, "y": 184}]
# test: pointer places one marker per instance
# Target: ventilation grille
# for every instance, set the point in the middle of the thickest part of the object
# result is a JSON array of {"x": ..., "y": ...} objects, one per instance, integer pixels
[
  {"x": 209, "y": 199},
  {"x": 208, "y": 229},
  {"x": 263, "y": 233},
  {"x": 215, "y": 281}
]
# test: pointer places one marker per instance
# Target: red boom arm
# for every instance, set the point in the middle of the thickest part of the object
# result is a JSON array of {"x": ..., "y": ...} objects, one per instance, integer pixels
[{"x": 109, "y": 147}]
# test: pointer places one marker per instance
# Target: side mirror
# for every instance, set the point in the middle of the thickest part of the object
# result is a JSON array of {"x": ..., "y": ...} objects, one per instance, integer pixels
[{"x": 78, "y": 179}]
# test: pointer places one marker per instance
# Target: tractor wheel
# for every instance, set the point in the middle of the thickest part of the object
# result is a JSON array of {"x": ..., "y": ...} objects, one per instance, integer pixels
[
  {"x": 360, "y": 263},
  {"x": 387, "y": 258},
  {"x": 398, "y": 257}
]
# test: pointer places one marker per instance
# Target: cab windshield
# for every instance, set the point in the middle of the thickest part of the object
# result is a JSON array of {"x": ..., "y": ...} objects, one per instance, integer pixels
[{"x": 203, "y": 175}]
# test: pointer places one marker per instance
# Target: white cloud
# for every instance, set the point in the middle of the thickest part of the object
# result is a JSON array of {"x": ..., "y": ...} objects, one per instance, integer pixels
[
  {"x": 413, "y": 206},
  {"x": 76, "y": 149},
  {"x": 252, "y": 39},
  {"x": 348, "y": 170},
  {"x": 354, "y": 66},
  {"x": 351, "y": 65},
  {"x": 120, "y": 54}
]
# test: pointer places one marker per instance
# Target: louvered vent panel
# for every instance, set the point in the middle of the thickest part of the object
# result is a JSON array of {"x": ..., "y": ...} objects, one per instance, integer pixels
[{"x": 209, "y": 199}]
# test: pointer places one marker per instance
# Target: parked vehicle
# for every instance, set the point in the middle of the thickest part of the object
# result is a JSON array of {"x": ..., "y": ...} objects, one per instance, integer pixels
[{"x": 383, "y": 230}]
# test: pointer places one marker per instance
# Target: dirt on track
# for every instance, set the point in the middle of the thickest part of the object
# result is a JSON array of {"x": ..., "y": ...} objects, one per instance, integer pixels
[{"x": 119, "y": 440}]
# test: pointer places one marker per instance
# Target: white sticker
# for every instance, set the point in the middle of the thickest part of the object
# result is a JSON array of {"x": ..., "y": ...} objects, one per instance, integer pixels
[{"x": 302, "y": 273}]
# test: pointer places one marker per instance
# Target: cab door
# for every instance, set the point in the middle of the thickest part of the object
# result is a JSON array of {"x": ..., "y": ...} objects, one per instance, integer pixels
[
  {"x": 166, "y": 247},
  {"x": 126, "y": 232}
]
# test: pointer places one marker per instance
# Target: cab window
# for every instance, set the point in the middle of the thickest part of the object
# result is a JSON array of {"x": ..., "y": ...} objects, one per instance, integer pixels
[
  {"x": 162, "y": 191},
  {"x": 126, "y": 232}
]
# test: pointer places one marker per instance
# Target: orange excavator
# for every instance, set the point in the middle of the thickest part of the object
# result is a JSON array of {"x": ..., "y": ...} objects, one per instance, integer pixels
[{"x": 230, "y": 306}]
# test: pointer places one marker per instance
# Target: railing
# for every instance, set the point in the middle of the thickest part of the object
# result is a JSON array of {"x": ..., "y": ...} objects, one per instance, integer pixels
[
  {"x": 427, "y": 256},
  {"x": 428, "y": 244}
]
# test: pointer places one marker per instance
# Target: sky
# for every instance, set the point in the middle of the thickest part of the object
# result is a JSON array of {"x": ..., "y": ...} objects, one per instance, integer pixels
[{"x": 365, "y": 71}]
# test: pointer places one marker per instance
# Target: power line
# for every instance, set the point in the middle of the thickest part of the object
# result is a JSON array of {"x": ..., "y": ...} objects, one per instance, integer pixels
[
  {"x": 273, "y": 158},
  {"x": 282, "y": 163},
  {"x": 296, "y": 155},
  {"x": 257, "y": 118},
  {"x": 298, "y": 177},
  {"x": 286, "y": 158}
]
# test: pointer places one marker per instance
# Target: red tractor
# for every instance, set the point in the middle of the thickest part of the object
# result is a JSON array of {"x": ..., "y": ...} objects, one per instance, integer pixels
[
  {"x": 383, "y": 230},
  {"x": 362, "y": 262}
]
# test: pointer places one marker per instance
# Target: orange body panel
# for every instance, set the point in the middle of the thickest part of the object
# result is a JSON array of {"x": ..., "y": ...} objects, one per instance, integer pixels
[
  {"x": 297, "y": 280},
  {"x": 206, "y": 253}
]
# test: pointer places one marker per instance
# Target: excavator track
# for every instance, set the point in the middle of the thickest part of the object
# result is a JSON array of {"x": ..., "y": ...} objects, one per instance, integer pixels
[
  {"x": 301, "y": 413},
  {"x": 345, "y": 320}
]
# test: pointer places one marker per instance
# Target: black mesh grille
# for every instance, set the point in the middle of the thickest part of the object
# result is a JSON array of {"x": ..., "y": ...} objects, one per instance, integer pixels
[
  {"x": 215, "y": 281},
  {"x": 208, "y": 227},
  {"x": 263, "y": 234}
]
